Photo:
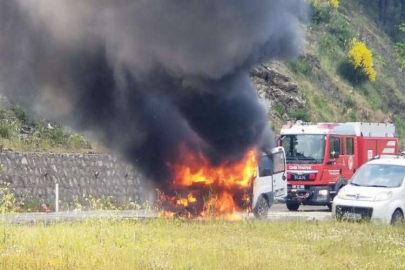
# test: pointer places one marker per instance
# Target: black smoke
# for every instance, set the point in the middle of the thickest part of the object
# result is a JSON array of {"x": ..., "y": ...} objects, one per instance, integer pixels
[{"x": 145, "y": 76}]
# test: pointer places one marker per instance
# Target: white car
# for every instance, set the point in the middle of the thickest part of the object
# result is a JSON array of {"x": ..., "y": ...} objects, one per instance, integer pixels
[{"x": 376, "y": 192}]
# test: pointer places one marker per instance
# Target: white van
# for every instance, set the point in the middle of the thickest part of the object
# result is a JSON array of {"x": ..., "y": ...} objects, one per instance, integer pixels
[
  {"x": 376, "y": 192},
  {"x": 270, "y": 184}
]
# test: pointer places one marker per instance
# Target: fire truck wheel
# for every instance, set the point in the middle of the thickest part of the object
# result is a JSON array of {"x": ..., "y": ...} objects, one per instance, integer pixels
[
  {"x": 293, "y": 206},
  {"x": 397, "y": 217},
  {"x": 262, "y": 208}
]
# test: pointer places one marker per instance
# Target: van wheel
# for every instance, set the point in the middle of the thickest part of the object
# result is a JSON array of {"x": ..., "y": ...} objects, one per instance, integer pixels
[
  {"x": 262, "y": 208},
  {"x": 397, "y": 217},
  {"x": 293, "y": 206}
]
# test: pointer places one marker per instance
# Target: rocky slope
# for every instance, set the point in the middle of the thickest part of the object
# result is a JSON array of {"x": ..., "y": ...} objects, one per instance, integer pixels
[{"x": 316, "y": 87}]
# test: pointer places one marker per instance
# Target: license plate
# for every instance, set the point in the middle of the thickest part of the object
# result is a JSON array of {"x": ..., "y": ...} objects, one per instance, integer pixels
[
  {"x": 298, "y": 187},
  {"x": 353, "y": 216}
]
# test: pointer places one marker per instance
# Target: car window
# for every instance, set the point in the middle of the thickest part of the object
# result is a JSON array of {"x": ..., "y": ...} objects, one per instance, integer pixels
[
  {"x": 265, "y": 166},
  {"x": 349, "y": 146},
  {"x": 278, "y": 163},
  {"x": 334, "y": 146},
  {"x": 382, "y": 175}
]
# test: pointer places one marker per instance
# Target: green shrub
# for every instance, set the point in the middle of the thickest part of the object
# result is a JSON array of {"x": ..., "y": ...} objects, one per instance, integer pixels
[
  {"x": 352, "y": 117},
  {"x": 401, "y": 48},
  {"x": 58, "y": 137},
  {"x": 78, "y": 142},
  {"x": 342, "y": 30},
  {"x": 353, "y": 75},
  {"x": 20, "y": 114},
  {"x": 279, "y": 109},
  {"x": 300, "y": 66},
  {"x": 373, "y": 97},
  {"x": 328, "y": 47},
  {"x": 300, "y": 114},
  {"x": 350, "y": 103},
  {"x": 321, "y": 12},
  {"x": 400, "y": 127},
  {"x": 5, "y": 132},
  {"x": 319, "y": 102}
]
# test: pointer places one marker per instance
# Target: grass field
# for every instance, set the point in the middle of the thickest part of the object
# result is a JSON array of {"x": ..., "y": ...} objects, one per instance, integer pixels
[{"x": 174, "y": 244}]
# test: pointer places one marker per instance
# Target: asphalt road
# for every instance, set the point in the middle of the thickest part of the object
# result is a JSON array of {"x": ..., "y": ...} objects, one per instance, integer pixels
[
  {"x": 278, "y": 212},
  {"x": 283, "y": 208}
]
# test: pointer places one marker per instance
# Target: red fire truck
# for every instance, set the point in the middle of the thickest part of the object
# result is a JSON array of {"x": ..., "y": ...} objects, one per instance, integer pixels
[{"x": 321, "y": 158}]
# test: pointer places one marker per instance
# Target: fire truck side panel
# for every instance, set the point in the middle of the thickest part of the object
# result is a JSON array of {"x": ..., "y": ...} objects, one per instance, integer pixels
[{"x": 369, "y": 149}]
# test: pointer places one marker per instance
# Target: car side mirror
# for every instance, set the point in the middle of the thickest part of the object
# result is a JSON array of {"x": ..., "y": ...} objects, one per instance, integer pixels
[{"x": 284, "y": 178}]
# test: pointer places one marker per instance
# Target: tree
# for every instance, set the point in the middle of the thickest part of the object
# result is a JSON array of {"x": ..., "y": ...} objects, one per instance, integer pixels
[
  {"x": 401, "y": 48},
  {"x": 383, "y": 6},
  {"x": 403, "y": 8}
]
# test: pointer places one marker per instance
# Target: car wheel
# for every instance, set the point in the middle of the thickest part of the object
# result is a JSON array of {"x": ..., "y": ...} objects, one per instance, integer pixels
[
  {"x": 262, "y": 208},
  {"x": 293, "y": 206},
  {"x": 397, "y": 217}
]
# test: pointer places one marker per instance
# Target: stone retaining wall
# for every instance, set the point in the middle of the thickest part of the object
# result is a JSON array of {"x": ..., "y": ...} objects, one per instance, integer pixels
[{"x": 33, "y": 177}]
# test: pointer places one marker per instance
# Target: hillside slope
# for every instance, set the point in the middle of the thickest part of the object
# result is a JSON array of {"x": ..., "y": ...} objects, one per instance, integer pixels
[{"x": 325, "y": 88}]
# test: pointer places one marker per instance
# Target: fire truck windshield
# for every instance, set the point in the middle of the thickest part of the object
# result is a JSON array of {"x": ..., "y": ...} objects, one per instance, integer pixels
[{"x": 303, "y": 148}]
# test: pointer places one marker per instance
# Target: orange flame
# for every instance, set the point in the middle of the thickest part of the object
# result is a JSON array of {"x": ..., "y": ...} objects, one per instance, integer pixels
[
  {"x": 199, "y": 170},
  {"x": 220, "y": 205},
  {"x": 223, "y": 180}
]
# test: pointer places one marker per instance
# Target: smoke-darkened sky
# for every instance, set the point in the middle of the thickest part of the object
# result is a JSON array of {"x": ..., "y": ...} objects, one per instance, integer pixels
[{"x": 144, "y": 76}]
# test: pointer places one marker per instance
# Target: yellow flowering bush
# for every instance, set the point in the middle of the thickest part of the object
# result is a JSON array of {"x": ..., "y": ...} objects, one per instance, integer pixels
[
  {"x": 362, "y": 58},
  {"x": 7, "y": 199},
  {"x": 334, "y": 3}
]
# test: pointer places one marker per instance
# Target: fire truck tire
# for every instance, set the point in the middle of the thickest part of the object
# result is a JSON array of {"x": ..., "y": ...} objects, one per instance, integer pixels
[
  {"x": 262, "y": 208},
  {"x": 293, "y": 206},
  {"x": 339, "y": 184}
]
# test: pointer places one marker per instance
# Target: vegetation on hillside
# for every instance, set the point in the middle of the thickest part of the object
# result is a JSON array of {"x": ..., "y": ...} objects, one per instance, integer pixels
[
  {"x": 351, "y": 69},
  {"x": 401, "y": 48},
  {"x": 21, "y": 131}
]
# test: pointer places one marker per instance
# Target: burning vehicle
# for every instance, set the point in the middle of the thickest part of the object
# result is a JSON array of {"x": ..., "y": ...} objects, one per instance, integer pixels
[{"x": 202, "y": 190}]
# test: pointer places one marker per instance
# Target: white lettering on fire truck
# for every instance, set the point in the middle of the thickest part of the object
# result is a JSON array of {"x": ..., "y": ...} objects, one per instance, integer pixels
[
  {"x": 370, "y": 154},
  {"x": 334, "y": 172},
  {"x": 300, "y": 167}
]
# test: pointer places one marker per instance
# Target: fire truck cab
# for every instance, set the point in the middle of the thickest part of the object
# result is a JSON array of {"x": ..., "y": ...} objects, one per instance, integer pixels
[
  {"x": 321, "y": 158},
  {"x": 270, "y": 184}
]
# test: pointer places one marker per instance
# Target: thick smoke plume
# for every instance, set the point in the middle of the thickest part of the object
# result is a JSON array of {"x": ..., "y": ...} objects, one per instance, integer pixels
[{"x": 145, "y": 76}]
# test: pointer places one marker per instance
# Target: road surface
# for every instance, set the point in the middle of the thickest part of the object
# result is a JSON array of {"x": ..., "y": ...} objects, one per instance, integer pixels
[{"x": 277, "y": 212}]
